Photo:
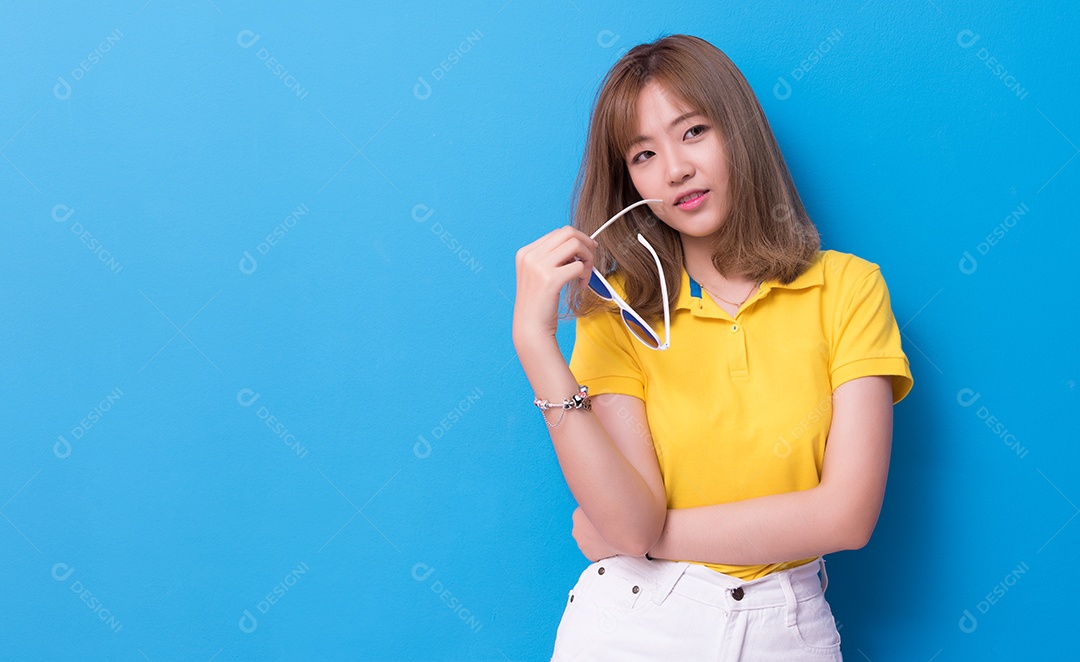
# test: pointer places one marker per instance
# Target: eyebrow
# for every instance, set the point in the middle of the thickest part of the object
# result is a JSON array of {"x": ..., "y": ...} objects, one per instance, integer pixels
[{"x": 674, "y": 122}]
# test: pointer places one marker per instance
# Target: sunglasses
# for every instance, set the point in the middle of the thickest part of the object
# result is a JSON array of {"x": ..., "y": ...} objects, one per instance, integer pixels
[{"x": 637, "y": 325}]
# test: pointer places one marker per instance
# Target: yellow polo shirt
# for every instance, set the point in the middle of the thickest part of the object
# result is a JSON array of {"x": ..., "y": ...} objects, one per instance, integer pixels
[{"x": 740, "y": 408}]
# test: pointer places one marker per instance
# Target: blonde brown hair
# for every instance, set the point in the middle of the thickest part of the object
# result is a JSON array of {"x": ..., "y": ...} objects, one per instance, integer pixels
[{"x": 767, "y": 234}]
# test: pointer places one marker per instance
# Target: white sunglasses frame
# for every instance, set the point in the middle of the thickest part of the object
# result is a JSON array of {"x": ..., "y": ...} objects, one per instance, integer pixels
[{"x": 626, "y": 307}]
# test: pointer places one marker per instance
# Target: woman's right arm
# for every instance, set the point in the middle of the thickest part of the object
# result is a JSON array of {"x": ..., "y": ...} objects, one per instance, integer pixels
[{"x": 613, "y": 475}]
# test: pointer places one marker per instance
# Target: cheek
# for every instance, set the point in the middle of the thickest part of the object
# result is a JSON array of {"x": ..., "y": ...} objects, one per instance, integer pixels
[
  {"x": 639, "y": 183},
  {"x": 723, "y": 164}
]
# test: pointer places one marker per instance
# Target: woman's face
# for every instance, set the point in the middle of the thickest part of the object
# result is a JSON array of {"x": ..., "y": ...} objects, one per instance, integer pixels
[{"x": 679, "y": 158}]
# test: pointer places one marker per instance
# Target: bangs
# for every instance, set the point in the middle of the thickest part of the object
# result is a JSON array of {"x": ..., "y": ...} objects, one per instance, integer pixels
[{"x": 622, "y": 121}]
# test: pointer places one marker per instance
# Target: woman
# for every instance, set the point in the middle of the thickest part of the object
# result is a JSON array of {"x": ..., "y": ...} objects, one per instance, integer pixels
[{"x": 718, "y": 348}]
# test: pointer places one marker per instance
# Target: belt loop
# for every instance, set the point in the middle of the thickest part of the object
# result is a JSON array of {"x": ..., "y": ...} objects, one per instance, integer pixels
[
  {"x": 668, "y": 581},
  {"x": 789, "y": 596},
  {"x": 824, "y": 575}
]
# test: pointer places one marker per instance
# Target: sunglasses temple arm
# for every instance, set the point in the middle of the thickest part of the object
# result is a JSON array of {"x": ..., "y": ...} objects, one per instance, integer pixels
[
  {"x": 663, "y": 289},
  {"x": 617, "y": 216}
]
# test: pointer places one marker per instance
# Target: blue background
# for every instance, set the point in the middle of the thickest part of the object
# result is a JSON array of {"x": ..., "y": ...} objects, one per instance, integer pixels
[{"x": 402, "y": 154}]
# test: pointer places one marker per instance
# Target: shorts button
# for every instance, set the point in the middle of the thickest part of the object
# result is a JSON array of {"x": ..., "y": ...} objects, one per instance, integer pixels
[
  {"x": 600, "y": 571},
  {"x": 636, "y": 589},
  {"x": 737, "y": 593}
]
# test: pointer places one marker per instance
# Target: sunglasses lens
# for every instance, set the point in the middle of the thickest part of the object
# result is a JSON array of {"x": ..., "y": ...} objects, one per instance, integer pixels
[
  {"x": 598, "y": 286},
  {"x": 643, "y": 334}
]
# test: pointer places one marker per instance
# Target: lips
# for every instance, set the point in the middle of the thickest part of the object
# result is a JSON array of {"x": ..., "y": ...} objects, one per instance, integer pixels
[{"x": 689, "y": 199}]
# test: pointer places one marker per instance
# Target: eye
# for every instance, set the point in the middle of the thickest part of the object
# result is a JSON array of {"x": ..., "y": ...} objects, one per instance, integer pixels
[
  {"x": 637, "y": 157},
  {"x": 696, "y": 127}
]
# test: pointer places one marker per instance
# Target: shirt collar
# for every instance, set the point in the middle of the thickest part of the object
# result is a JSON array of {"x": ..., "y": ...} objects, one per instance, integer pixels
[{"x": 690, "y": 292}]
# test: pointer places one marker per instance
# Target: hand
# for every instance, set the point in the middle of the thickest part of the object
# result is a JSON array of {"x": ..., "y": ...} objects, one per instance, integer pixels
[
  {"x": 589, "y": 540},
  {"x": 543, "y": 268}
]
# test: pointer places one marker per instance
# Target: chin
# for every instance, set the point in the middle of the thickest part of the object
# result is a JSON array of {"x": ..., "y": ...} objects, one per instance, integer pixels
[{"x": 701, "y": 230}]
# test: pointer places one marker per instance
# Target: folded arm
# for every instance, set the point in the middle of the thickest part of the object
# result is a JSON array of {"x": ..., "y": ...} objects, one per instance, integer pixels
[
  {"x": 606, "y": 454},
  {"x": 840, "y": 513}
]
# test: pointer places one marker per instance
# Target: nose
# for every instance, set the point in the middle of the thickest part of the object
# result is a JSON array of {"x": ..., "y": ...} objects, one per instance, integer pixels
[{"x": 679, "y": 167}]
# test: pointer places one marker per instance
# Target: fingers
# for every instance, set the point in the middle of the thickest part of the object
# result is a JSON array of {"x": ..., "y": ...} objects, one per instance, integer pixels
[
  {"x": 573, "y": 258},
  {"x": 543, "y": 268},
  {"x": 547, "y": 243},
  {"x": 558, "y": 257}
]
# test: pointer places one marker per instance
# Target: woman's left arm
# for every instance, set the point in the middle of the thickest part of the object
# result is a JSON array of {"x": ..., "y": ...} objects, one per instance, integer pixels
[{"x": 838, "y": 514}]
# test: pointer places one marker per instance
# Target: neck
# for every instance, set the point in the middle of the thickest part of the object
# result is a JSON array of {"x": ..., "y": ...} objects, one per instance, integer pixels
[{"x": 697, "y": 257}]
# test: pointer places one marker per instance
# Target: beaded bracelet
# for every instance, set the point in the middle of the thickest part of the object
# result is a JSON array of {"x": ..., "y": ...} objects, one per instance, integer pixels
[{"x": 579, "y": 400}]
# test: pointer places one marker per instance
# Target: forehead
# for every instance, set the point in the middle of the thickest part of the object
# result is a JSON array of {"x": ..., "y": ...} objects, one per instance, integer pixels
[
  {"x": 657, "y": 105},
  {"x": 646, "y": 111},
  {"x": 656, "y": 110}
]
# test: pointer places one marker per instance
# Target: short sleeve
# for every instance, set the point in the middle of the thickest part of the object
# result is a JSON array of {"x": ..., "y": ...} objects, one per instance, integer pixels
[
  {"x": 868, "y": 339},
  {"x": 603, "y": 359}
]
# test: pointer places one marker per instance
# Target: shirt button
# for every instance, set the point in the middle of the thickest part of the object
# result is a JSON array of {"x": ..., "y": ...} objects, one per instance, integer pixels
[
  {"x": 734, "y": 328},
  {"x": 600, "y": 571},
  {"x": 636, "y": 589}
]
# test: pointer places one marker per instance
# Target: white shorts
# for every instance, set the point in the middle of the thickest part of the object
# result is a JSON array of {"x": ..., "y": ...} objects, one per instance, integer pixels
[{"x": 629, "y": 608}]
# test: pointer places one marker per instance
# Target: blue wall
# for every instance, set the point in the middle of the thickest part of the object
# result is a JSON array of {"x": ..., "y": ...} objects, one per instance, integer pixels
[{"x": 261, "y": 396}]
